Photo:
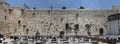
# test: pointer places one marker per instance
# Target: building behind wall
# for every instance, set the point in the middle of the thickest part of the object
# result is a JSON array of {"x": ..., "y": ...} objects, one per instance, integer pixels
[{"x": 114, "y": 24}]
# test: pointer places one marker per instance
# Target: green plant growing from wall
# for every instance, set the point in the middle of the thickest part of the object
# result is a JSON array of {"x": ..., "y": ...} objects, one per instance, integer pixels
[
  {"x": 51, "y": 7},
  {"x": 27, "y": 30},
  {"x": 76, "y": 28},
  {"x": 37, "y": 33},
  {"x": 81, "y": 7},
  {"x": 61, "y": 34},
  {"x": 88, "y": 26}
]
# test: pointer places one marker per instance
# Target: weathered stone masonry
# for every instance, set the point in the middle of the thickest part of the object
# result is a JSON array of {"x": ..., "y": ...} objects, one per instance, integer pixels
[
  {"x": 15, "y": 21},
  {"x": 51, "y": 22}
]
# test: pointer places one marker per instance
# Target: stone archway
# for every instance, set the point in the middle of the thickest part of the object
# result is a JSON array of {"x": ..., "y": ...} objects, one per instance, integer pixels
[{"x": 101, "y": 31}]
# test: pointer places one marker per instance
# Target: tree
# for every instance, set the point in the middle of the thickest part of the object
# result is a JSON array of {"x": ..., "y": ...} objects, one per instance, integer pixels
[
  {"x": 34, "y": 8},
  {"x": 101, "y": 31},
  {"x": 63, "y": 7},
  {"x": 88, "y": 26},
  {"x": 51, "y": 7},
  {"x": 81, "y": 7}
]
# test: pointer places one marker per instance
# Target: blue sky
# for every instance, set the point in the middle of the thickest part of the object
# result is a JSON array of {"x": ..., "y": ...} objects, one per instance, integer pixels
[{"x": 66, "y": 3}]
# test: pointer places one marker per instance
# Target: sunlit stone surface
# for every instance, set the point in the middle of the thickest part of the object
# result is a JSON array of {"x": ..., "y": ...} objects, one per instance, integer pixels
[{"x": 23, "y": 23}]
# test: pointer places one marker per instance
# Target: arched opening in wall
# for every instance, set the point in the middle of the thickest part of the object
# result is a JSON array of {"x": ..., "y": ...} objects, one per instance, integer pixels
[{"x": 101, "y": 31}]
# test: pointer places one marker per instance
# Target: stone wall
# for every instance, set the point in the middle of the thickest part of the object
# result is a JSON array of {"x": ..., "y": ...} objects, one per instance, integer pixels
[
  {"x": 51, "y": 22},
  {"x": 4, "y": 18}
]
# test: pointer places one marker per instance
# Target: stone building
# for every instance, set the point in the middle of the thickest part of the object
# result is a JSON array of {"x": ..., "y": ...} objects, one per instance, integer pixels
[{"x": 16, "y": 20}]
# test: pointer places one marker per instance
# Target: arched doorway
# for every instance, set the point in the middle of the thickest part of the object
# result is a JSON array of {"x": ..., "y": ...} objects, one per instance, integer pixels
[{"x": 101, "y": 31}]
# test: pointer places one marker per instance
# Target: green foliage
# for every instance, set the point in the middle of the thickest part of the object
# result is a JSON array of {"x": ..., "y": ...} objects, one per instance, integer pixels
[
  {"x": 24, "y": 26},
  {"x": 88, "y": 26},
  {"x": 19, "y": 22},
  {"x": 51, "y": 7},
  {"x": 76, "y": 27},
  {"x": 62, "y": 33},
  {"x": 63, "y": 7},
  {"x": 81, "y": 7},
  {"x": 37, "y": 33},
  {"x": 27, "y": 30}
]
